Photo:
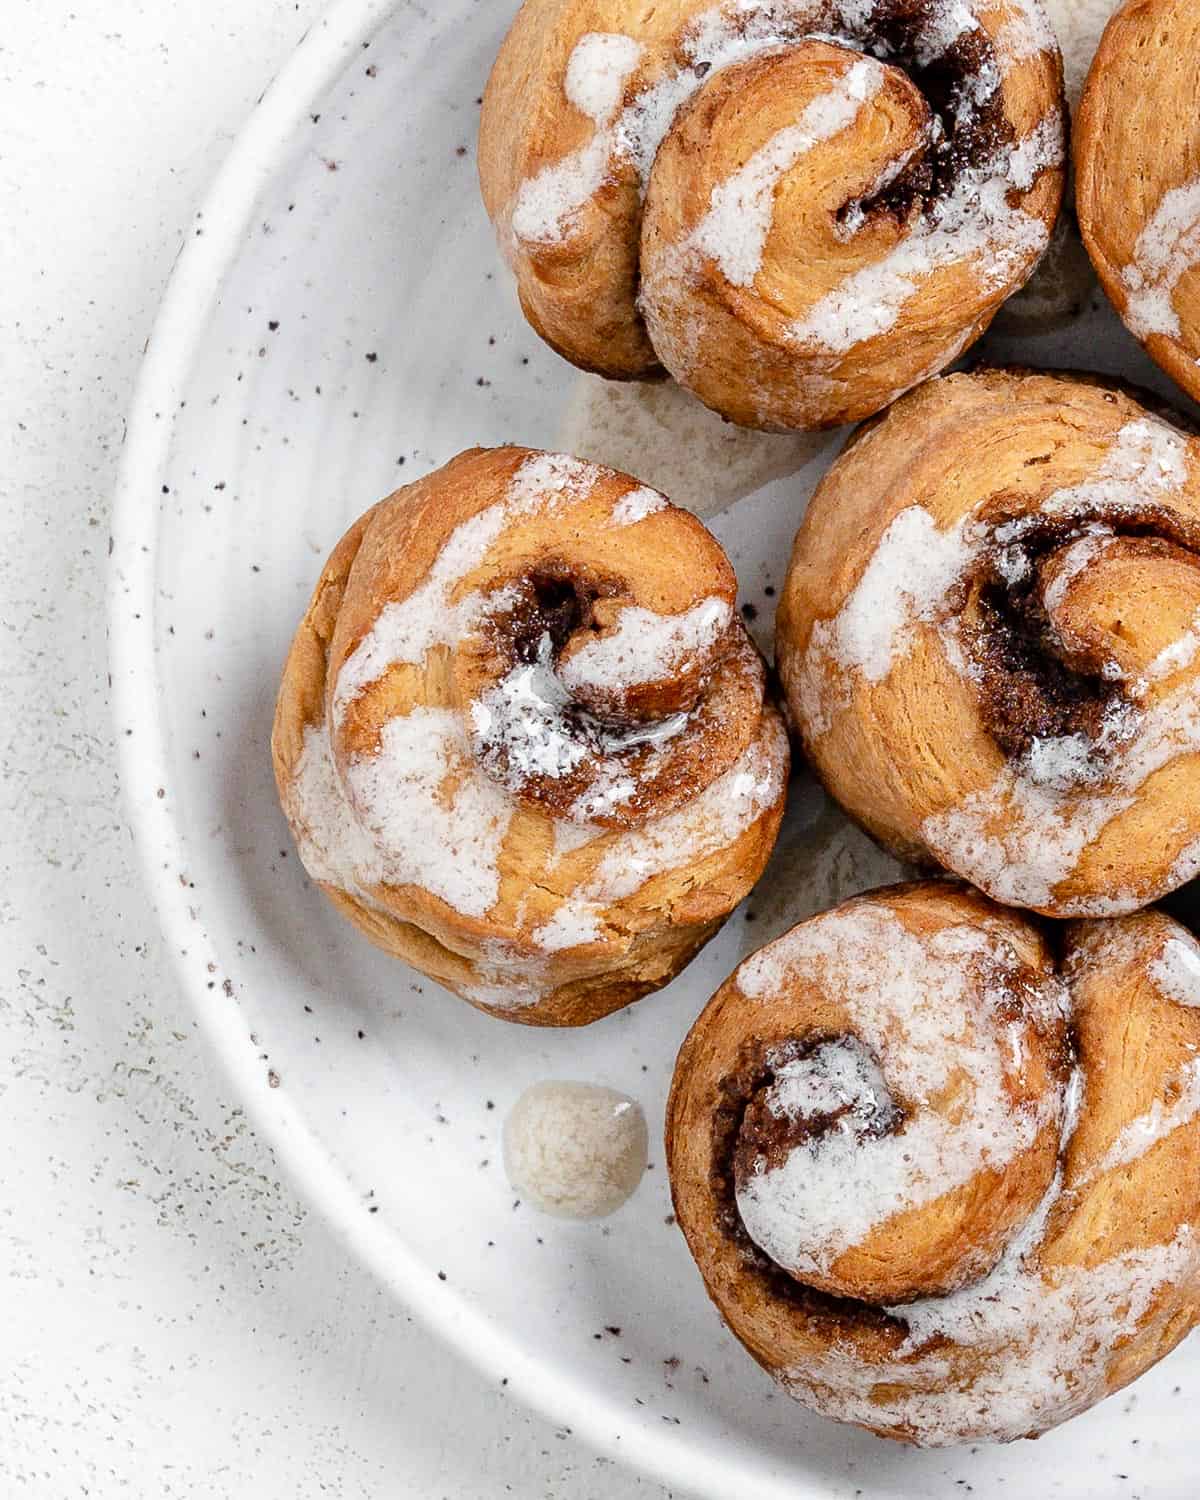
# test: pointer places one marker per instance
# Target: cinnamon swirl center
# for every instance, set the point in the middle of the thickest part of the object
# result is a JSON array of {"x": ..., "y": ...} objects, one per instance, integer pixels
[
  {"x": 881, "y": 1143},
  {"x": 584, "y": 700},
  {"x": 1053, "y": 633}
]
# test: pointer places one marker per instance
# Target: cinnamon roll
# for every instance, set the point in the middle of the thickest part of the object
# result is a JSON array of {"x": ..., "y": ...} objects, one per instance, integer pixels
[
  {"x": 1137, "y": 159},
  {"x": 800, "y": 208},
  {"x": 522, "y": 738},
  {"x": 989, "y": 639},
  {"x": 939, "y": 1181}
]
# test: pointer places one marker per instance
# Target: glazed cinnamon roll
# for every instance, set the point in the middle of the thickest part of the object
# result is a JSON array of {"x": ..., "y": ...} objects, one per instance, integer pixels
[
  {"x": 800, "y": 208},
  {"x": 1137, "y": 156},
  {"x": 989, "y": 638},
  {"x": 939, "y": 1181},
  {"x": 522, "y": 738}
]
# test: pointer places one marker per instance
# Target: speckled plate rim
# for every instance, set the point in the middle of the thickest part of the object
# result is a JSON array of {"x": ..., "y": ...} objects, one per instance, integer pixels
[{"x": 144, "y": 766}]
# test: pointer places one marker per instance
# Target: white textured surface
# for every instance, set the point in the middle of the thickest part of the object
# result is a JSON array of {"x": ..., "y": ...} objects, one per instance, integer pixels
[
  {"x": 174, "y": 1322},
  {"x": 180, "y": 1325}
]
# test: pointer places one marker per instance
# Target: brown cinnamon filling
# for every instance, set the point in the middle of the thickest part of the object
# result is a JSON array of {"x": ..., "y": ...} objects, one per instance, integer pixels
[
  {"x": 1031, "y": 688},
  {"x": 742, "y": 1125},
  {"x": 960, "y": 84},
  {"x": 766, "y": 1136},
  {"x": 1028, "y": 693},
  {"x": 969, "y": 120},
  {"x": 546, "y": 740},
  {"x": 557, "y": 600}
]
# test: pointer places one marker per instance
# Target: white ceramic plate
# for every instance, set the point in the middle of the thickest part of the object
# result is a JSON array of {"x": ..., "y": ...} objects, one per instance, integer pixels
[{"x": 339, "y": 323}]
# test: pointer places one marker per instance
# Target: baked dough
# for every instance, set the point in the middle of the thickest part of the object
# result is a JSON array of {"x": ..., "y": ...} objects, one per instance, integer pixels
[
  {"x": 939, "y": 1182},
  {"x": 522, "y": 738},
  {"x": 800, "y": 208},
  {"x": 989, "y": 639}
]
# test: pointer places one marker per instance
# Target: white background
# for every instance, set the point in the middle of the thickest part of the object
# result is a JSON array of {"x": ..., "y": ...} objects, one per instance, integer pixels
[{"x": 172, "y": 1321}]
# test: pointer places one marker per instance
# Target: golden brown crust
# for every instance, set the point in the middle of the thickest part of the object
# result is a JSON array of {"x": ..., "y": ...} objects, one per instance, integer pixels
[
  {"x": 434, "y": 779},
  {"x": 814, "y": 240},
  {"x": 986, "y": 638},
  {"x": 1137, "y": 157},
  {"x": 1100, "y": 1271},
  {"x": 580, "y": 296}
]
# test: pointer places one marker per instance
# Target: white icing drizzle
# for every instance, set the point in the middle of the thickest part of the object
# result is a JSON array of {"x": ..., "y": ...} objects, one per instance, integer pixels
[
  {"x": 421, "y": 799},
  {"x": 1186, "y": 866},
  {"x": 501, "y": 991},
  {"x": 834, "y": 1076},
  {"x": 336, "y": 849},
  {"x": 596, "y": 75},
  {"x": 1026, "y": 34},
  {"x": 569, "y": 927},
  {"x": 528, "y": 725},
  {"x": 523, "y": 717},
  {"x": 1040, "y": 1345},
  {"x": 1159, "y": 1121},
  {"x": 1176, "y": 970},
  {"x": 1176, "y": 657},
  {"x": 644, "y": 646},
  {"x": 1019, "y": 839},
  {"x": 923, "y": 1011},
  {"x": 1146, "y": 455},
  {"x": 507, "y": 978},
  {"x": 1064, "y": 761},
  {"x": 636, "y": 505},
  {"x": 1071, "y": 761},
  {"x": 406, "y": 629},
  {"x": 597, "y": 71},
  {"x": 974, "y": 222},
  {"x": 547, "y": 480},
  {"x": 569, "y": 836},
  {"x": 1167, "y": 248},
  {"x": 734, "y": 230},
  {"x": 911, "y": 570},
  {"x": 609, "y": 789},
  {"x": 1076, "y": 559},
  {"x": 944, "y": 24},
  {"x": 907, "y": 579},
  {"x": 333, "y": 846}
]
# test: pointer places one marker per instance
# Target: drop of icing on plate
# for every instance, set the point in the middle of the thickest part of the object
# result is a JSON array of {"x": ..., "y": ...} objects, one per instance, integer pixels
[{"x": 575, "y": 1150}]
